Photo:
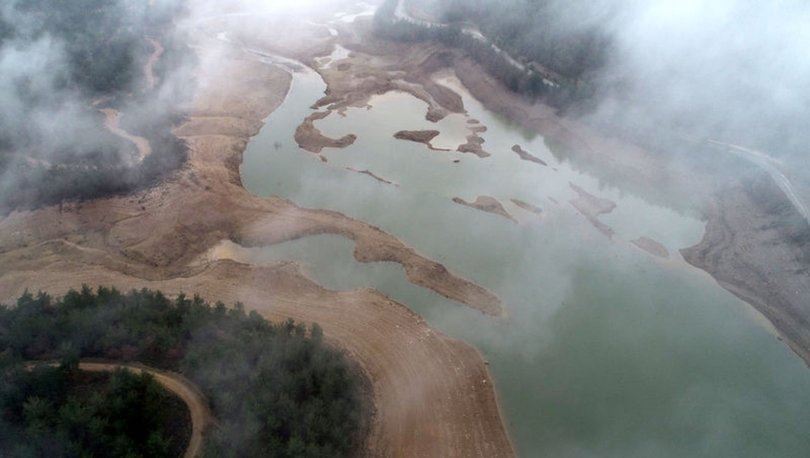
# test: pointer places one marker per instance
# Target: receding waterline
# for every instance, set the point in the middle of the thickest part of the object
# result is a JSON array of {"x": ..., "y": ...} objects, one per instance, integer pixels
[{"x": 607, "y": 351}]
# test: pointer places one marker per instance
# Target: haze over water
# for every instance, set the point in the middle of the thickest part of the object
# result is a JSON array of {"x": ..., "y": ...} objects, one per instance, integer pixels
[{"x": 605, "y": 350}]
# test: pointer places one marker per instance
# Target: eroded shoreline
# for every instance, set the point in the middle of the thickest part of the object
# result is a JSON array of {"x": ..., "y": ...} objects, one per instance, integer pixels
[
  {"x": 104, "y": 242},
  {"x": 765, "y": 268}
]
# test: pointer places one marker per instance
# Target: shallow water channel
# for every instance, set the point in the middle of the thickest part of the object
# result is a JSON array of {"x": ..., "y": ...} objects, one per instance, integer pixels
[{"x": 606, "y": 350}]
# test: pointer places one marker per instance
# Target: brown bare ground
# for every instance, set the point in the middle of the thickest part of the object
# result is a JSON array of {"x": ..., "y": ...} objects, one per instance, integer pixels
[
  {"x": 474, "y": 145},
  {"x": 528, "y": 207},
  {"x": 311, "y": 139},
  {"x": 376, "y": 67},
  {"x": 526, "y": 156},
  {"x": 372, "y": 175},
  {"x": 433, "y": 395},
  {"x": 755, "y": 247},
  {"x": 651, "y": 246},
  {"x": 591, "y": 207},
  {"x": 419, "y": 136},
  {"x": 111, "y": 122},
  {"x": 486, "y": 204}
]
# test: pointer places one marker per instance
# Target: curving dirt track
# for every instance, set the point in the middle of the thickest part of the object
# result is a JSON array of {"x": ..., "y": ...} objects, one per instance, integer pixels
[
  {"x": 111, "y": 122},
  {"x": 149, "y": 67},
  {"x": 201, "y": 416}
]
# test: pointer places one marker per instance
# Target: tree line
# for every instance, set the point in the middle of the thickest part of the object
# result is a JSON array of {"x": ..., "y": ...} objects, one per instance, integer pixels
[
  {"x": 561, "y": 35},
  {"x": 64, "y": 412},
  {"x": 567, "y": 82},
  {"x": 277, "y": 390}
]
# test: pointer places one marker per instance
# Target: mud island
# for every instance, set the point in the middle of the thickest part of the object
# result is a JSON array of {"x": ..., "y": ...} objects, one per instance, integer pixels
[
  {"x": 486, "y": 204},
  {"x": 419, "y": 136}
]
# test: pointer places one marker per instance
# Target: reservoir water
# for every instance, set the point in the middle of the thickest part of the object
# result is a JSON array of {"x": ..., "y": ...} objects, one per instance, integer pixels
[{"x": 605, "y": 350}]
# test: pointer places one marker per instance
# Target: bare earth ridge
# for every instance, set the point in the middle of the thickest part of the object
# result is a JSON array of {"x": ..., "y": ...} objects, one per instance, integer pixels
[
  {"x": 758, "y": 251},
  {"x": 433, "y": 395},
  {"x": 531, "y": 208},
  {"x": 651, "y": 246},
  {"x": 311, "y": 139},
  {"x": 591, "y": 207},
  {"x": 486, "y": 204},
  {"x": 419, "y": 136},
  {"x": 527, "y": 156},
  {"x": 474, "y": 145}
]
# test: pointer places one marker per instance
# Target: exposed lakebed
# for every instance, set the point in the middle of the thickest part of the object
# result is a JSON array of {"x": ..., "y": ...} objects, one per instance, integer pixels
[{"x": 605, "y": 349}]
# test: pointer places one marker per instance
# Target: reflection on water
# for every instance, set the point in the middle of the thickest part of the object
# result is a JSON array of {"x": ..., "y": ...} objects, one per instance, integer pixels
[
  {"x": 606, "y": 350},
  {"x": 503, "y": 175}
]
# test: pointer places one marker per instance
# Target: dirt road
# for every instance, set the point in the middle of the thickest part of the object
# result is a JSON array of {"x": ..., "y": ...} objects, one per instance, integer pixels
[
  {"x": 149, "y": 67},
  {"x": 201, "y": 416},
  {"x": 111, "y": 122}
]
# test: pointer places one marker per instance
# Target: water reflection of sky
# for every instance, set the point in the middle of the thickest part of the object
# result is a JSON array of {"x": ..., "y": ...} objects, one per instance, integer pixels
[{"x": 606, "y": 350}]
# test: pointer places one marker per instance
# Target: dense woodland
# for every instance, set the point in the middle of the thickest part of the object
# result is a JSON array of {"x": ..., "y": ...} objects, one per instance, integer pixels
[
  {"x": 557, "y": 67},
  {"x": 65, "y": 60},
  {"x": 276, "y": 390},
  {"x": 561, "y": 35},
  {"x": 64, "y": 412}
]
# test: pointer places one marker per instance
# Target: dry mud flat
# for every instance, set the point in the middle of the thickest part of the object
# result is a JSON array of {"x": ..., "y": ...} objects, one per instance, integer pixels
[
  {"x": 311, "y": 139},
  {"x": 591, "y": 207},
  {"x": 474, "y": 145},
  {"x": 486, "y": 204},
  {"x": 433, "y": 395},
  {"x": 531, "y": 208},
  {"x": 651, "y": 246},
  {"x": 756, "y": 246},
  {"x": 526, "y": 156},
  {"x": 419, "y": 136}
]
